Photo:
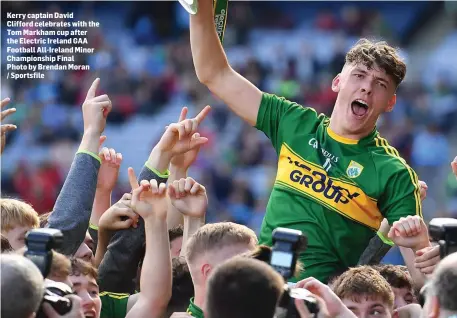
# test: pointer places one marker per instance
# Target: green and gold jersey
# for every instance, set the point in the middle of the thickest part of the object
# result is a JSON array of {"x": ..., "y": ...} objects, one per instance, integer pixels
[
  {"x": 336, "y": 190},
  {"x": 114, "y": 305}
]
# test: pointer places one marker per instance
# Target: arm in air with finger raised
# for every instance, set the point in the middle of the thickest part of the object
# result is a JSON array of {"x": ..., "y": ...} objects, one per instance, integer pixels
[
  {"x": 150, "y": 202},
  {"x": 73, "y": 206}
]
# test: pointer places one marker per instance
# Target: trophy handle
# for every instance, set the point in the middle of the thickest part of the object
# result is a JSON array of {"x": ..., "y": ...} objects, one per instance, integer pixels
[{"x": 191, "y": 6}]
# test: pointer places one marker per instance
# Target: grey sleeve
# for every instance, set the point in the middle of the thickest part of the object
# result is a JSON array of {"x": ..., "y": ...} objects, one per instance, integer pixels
[
  {"x": 73, "y": 207},
  {"x": 374, "y": 252},
  {"x": 118, "y": 268}
]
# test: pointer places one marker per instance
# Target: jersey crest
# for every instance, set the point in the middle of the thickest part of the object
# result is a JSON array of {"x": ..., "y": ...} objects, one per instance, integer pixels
[{"x": 354, "y": 169}]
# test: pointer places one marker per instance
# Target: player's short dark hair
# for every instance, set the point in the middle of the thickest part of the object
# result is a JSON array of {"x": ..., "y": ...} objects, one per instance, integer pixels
[
  {"x": 244, "y": 288},
  {"x": 380, "y": 53},
  {"x": 182, "y": 289},
  {"x": 396, "y": 275},
  {"x": 175, "y": 232},
  {"x": 81, "y": 267},
  {"x": 363, "y": 282}
]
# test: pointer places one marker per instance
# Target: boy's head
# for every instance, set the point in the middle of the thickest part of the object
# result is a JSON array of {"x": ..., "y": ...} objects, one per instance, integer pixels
[
  {"x": 366, "y": 87},
  {"x": 175, "y": 236},
  {"x": 86, "y": 249},
  {"x": 83, "y": 278},
  {"x": 365, "y": 292},
  {"x": 182, "y": 288},
  {"x": 244, "y": 288},
  {"x": 402, "y": 285},
  {"x": 215, "y": 243},
  {"x": 17, "y": 219}
]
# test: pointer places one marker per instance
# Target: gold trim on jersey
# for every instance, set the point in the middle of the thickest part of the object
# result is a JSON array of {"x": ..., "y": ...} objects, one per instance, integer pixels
[
  {"x": 308, "y": 179},
  {"x": 341, "y": 139},
  {"x": 381, "y": 142}
]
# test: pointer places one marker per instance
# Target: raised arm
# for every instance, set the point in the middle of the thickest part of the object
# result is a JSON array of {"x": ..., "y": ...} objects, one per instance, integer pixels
[
  {"x": 149, "y": 201},
  {"x": 213, "y": 69},
  {"x": 189, "y": 198},
  {"x": 120, "y": 262},
  {"x": 74, "y": 204}
]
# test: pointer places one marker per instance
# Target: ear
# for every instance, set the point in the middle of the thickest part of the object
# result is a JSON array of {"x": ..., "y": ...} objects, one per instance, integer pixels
[
  {"x": 391, "y": 104},
  {"x": 205, "y": 270},
  {"x": 336, "y": 83}
]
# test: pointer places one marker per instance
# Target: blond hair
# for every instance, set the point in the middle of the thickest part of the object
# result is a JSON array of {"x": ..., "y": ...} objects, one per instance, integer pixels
[
  {"x": 17, "y": 213},
  {"x": 380, "y": 53},
  {"x": 214, "y": 236},
  {"x": 363, "y": 282}
]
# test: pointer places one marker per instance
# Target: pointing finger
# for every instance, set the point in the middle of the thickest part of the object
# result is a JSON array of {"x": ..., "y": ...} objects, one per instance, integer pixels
[
  {"x": 101, "y": 141},
  {"x": 93, "y": 89},
  {"x": 132, "y": 178},
  {"x": 202, "y": 115},
  {"x": 183, "y": 114}
]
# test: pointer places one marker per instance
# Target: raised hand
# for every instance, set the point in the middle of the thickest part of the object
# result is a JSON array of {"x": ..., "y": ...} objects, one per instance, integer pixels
[
  {"x": 109, "y": 169},
  {"x": 410, "y": 232},
  {"x": 95, "y": 110},
  {"x": 119, "y": 216},
  {"x": 7, "y": 127},
  {"x": 188, "y": 197},
  {"x": 180, "y": 137},
  {"x": 185, "y": 160},
  {"x": 148, "y": 198}
]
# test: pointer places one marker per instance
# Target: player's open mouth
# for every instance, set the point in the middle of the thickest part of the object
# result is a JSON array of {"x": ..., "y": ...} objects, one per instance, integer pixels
[
  {"x": 359, "y": 108},
  {"x": 90, "y": 314}
]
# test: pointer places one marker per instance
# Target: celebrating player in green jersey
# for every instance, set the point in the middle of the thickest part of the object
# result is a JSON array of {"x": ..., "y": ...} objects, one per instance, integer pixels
[{"x": 337, "y": 178}]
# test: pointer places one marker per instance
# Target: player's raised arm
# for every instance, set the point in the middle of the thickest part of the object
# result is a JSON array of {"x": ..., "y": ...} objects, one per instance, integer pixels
[{"x": 213, "y": 69}]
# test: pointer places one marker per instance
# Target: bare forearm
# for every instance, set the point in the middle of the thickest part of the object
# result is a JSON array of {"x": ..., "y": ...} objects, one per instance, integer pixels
[
  {"x": 90, "y": 142},
  {"x": 102, "y": 202},
  {"x": 207, "y": 52},
  {"x": 418, "y": 278},
  {"x": 156, "y": 270},
  {"x": 191, "y": 225},
  {"x": 174, "y": 217},
  {"x": 102, "y": 245},
  {"x": 158, "y": 160}
]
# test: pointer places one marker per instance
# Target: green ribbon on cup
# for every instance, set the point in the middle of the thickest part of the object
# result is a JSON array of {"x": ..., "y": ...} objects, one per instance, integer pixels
[{"x": 220, "y": 17}]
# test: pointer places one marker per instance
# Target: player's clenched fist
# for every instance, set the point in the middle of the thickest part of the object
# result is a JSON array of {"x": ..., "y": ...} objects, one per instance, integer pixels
[
  {"x": 148, "y": 198},
  {"x": 95, "y": 109},
  {"x": 410, "y": 232},
  {"x": 188, "y": 197}
]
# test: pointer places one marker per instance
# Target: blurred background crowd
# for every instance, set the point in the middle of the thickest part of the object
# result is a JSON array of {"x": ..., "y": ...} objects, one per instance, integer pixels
[{"x": 293, "y": 49}]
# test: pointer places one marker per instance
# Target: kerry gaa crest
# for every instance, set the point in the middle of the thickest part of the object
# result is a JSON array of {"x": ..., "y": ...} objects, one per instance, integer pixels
[{"x": 354, "y": 169}]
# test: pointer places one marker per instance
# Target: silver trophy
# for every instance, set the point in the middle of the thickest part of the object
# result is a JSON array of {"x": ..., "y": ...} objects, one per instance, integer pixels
[{"x": 191, "y": 6}]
